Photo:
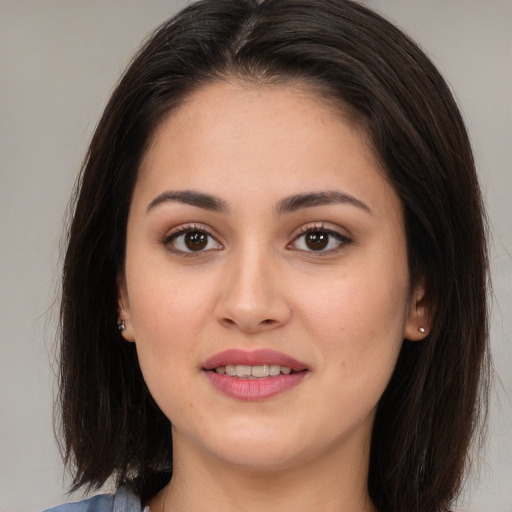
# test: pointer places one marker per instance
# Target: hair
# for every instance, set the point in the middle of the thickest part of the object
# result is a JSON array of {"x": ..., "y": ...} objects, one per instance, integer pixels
[{"x": 433, "y": 405}]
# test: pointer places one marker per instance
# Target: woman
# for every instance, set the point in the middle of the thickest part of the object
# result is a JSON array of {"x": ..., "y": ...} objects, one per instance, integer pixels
[{"x": 275, "y": 284}]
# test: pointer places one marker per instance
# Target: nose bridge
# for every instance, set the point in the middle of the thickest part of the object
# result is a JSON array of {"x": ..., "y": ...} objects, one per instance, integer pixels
[{"x": 252, "y": 296}]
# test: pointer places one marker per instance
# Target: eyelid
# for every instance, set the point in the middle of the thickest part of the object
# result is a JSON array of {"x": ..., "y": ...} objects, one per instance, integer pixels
[
  {"x": 344, "y": 239},
  {"x": 176, "y": 232},
  {"x": 182, "y": 229}
]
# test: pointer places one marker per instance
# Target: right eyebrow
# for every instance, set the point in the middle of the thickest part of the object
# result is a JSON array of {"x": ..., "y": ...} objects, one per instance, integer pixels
[{"x": 205, "y": 201}]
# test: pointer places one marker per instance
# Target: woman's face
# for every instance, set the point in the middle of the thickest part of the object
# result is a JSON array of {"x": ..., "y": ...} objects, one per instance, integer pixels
[{"x": 266, "y": 283}]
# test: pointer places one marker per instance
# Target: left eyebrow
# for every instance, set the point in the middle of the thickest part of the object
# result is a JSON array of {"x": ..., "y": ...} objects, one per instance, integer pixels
[{"x": 309, "y": 200}]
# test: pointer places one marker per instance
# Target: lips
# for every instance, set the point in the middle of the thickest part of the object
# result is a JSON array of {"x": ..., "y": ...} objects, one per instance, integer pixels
[
  {"x": 253, "y": 375},
  {"x": 253, "y": 358}
]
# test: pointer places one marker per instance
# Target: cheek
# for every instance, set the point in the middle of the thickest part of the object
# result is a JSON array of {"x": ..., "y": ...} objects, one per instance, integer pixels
[
  {"x": 167, "y": 318},
  {"x": 358, "y": 304},
  {"x": 358, "y": 332},
  {"x": 166, "y": 306},
  {"x": 358, "y": 321}
]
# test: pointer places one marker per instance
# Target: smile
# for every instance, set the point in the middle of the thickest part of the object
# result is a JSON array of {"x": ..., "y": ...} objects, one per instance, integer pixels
[
  {"x": 253, "y": 372},
  {"x": 253, "y": 375}
]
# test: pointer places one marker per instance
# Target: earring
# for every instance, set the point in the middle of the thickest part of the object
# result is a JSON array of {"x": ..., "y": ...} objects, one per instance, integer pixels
[
  {"x": 121, "y": 327},
  {"x": 422, "y": 330}
]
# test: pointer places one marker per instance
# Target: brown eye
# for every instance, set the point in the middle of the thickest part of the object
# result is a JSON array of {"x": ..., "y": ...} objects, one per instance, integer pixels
[
  {"x": 196, "y": 240},
  {"x": 323, "y": 241},
  {"x": 316, "y": 240},
  {"x": 191, "y": 240}
]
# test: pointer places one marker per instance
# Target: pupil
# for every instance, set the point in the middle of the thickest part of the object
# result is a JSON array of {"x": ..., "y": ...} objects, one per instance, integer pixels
[
  {"x": 195, "y": 240},
  {"x": 317, "y": 240}
]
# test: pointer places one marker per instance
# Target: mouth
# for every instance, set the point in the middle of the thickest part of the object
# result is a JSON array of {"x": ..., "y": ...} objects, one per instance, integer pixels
[
  {"x": 254, "y": 372},
  {"x": 253, "y": 375}
]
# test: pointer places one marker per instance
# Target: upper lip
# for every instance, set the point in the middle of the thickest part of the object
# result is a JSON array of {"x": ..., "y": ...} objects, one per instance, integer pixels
[{"x": 253, "y": 358}]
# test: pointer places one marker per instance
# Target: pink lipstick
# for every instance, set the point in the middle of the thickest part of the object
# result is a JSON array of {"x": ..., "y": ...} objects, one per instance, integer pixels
[{"x": 253, "y": 375}]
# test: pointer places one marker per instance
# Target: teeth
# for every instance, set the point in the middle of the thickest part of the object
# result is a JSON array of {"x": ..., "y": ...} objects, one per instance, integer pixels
[
  {"x": 243, "y": 370},
  {"x": 260, "y": 371},
  {"x": 275, "y": 369},
  {"x": 257, "y": 372}
]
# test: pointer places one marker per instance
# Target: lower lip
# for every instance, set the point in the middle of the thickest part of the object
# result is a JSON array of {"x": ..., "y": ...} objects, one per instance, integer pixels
[{"x": 254, "y": 389}]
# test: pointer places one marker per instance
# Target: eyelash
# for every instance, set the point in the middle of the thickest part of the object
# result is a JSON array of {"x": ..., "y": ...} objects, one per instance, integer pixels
[
  {"x": 305, "y": 230},
  {"x": 320, "y": 228},
  {"x": 183, "y": 230}
]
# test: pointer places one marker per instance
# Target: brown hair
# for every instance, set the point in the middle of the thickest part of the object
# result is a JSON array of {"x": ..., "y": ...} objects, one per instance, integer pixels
[{"x": 430, "y": 410}]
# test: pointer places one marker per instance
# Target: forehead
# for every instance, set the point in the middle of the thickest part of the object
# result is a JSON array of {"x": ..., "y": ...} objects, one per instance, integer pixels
[{"x": 261, "y": 139}]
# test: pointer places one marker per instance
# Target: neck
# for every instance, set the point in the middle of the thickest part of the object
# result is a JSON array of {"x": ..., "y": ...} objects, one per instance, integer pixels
[{"x": 202, "y": 483}]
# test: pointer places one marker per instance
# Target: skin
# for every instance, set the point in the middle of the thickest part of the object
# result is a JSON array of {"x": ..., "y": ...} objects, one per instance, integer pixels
[{"x": 343, "y": 310}]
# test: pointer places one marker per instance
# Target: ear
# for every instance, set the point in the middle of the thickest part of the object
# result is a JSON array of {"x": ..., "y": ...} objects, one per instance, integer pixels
[
  {"x": 123, "y": 310},
  {"x": 419, "y": 321}
]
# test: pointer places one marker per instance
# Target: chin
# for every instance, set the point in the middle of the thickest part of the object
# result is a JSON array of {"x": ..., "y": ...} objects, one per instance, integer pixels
[
  {"x": 254, "y": 459},
  {"x": 263, "y": 450}
]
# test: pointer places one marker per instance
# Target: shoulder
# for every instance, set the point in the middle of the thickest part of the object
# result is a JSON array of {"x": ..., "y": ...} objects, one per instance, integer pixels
[{"x": 122, "y": 501}]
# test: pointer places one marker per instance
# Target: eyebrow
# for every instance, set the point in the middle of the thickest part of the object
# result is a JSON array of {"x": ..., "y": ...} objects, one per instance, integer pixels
[
  {"x": 286, "y": 205},
  {"x": 309, "y": 200},
  {"x": 205, "y": 201}
]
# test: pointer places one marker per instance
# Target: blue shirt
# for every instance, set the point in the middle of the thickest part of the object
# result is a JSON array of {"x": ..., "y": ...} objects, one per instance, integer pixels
[{"x": 122, "y": 501}]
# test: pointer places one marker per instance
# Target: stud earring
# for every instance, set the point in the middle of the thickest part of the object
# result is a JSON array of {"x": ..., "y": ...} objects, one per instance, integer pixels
[
  {"x": 422, "y": 330},
  {"x": 121, "y": 327}
]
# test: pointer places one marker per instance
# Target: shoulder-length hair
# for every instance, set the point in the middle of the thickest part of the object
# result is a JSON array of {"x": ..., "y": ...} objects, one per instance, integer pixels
[{"x": 353, "y": 57}]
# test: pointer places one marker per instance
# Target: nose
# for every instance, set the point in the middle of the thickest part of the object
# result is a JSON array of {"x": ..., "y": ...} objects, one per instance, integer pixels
[{"x": 252, "y": 298}]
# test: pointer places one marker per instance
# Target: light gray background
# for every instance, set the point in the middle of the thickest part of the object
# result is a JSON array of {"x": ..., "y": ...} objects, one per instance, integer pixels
[{"x": 59, "y": 60}]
